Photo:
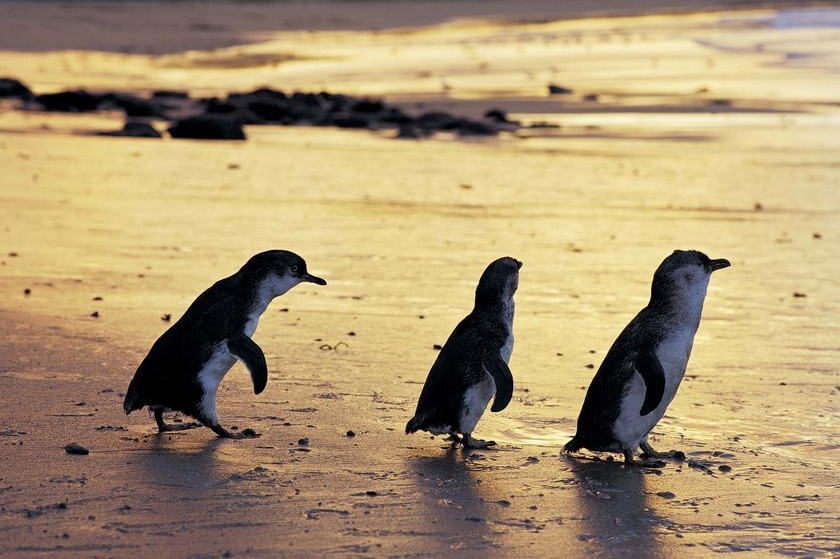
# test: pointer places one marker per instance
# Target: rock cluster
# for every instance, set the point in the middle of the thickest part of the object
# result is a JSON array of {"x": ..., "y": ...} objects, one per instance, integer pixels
[{"x": 224, "y": 118}]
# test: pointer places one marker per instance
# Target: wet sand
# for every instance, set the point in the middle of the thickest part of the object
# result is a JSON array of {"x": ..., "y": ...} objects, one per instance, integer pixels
[{"x": 133, "y": 229}]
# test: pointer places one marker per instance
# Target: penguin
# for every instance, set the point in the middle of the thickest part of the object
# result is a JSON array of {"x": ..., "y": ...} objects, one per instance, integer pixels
[
  {"x": 185, "y": 366},
  {"x": 472, "y": 367},
  {"x": 644, "y": 367}
]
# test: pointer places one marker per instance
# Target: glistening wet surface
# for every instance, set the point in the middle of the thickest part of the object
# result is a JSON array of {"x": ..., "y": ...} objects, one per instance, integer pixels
[{"x": 132, "y": 230}]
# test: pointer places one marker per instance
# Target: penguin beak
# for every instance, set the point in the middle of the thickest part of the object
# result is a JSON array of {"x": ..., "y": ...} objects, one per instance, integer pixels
[
  {"x": 719, "y": 264},
  {"x": 313, "y": 279}
]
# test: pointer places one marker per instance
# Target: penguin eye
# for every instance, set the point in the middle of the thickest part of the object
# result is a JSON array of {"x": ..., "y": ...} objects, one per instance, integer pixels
[{"x": 294, "y": 268}]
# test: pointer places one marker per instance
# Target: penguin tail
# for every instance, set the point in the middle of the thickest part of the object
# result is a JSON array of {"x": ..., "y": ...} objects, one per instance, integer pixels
[
  {"x": 573, "y": 445},
  {"x": 132, "y": 400},
  {"x": 414, "y": 424}
]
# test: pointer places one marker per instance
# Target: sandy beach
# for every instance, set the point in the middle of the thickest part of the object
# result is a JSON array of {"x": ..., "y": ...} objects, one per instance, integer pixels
[{"x": 706, "y": 125}]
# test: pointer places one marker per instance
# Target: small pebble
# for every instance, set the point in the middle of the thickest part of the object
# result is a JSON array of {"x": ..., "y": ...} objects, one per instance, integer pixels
[
  {"x": 371, "y": 493},
  {"x": 351, "y": 433},
  {"x": 437, "y": 347},
  {"x": 27, "y": 291},
  {"x": 679, "y": 455},
  {"x": 74, "y": 448},
  {"x": 303, "y": 442},
  {"x": 95, "y": 314},
  {"x": 725, "y": 468},
  {"x": 666, "y": 495}
]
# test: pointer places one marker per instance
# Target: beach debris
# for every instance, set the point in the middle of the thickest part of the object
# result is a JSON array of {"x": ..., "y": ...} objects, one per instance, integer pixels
[
  {"x": 554, "y": 89},
  {"x": 74, "y": 448},
  {"x": 12, "y": 88},
  {"x": 73, "y": 101},
  {"x": 134, "y": 129},
  {"x": 208, "y": 127},
  {"x": 223, "y": 118}
]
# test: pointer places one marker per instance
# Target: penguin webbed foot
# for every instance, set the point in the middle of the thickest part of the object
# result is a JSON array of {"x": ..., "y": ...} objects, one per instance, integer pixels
[
  {"x": 164, "y": 428},
  {"x": 223, "y": 433},
  {"x": 630, "y": 461},
  {"x": 469, "y": 442},
  {"x": 648, "y": 452}
]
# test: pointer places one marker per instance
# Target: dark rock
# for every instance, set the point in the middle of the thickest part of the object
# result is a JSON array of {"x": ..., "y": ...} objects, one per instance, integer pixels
[
  {"x": 169, "y": 94},
  {"x": 408, "y": 131},
  {"x": 272, "y": 111},
  {"x": 10, "y": 87},
  {"x": 559, "y": 90},
  {"x": 468, "y": 127},
  {"x": 437, "y": 121},
  {"x": 217, "y": 106},
  {"x": 350, "y": 121},
  {"x": 132, "y": 105},
  {"x": 135, "y": 129},
  {"x": 368, "y": 106},
  {"x": 306, "y": 99},
  {"x": 262, "y": 94},
  {"x": 208, "y": 127},
  {"x": 78, "y": 101},
  {"x": 591, "y": 97},
  {"x": 393, "y": 115},
  {"x": 496, "y": 115},
  {"x": 74, "y": 448}
]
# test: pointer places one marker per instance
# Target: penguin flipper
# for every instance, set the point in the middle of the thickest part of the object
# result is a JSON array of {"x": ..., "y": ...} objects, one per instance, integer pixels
[
  {"x": 650, "y": 369},
  {"x": 503, "y": 378},
  {"x": 247, "y": 351}
]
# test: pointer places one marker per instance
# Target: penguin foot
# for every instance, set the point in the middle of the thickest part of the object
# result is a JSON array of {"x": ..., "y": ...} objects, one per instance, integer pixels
[
  {"x": 630, "y": 461},
  {"x": 454, "y": 438},
  {"x": 649, "y": 452},
  {"x": 225, "y": 434},
  {"x": 470, "y": 442},
  {"x": 164, "y": 428}
]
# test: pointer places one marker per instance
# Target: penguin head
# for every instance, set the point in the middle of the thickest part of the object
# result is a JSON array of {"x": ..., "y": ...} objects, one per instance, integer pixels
[
  {"x": 277, "y": 271},
  {"x": 684, "y": 275},
  {"x": 498, "y": 282}
]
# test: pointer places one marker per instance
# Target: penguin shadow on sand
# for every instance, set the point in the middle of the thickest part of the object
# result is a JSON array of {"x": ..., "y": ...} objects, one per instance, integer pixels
[
  {"x": 614, "y": 506},
  {"x": 452, "y": 495},
  {"x": 179, "y": 460}
]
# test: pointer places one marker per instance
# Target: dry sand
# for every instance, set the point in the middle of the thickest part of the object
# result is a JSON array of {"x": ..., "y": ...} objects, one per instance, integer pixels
[{"x": 133, "y": 229}]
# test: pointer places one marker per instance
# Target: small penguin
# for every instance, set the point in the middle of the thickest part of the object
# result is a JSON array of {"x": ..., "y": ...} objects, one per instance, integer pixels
[
  {"x": 472, "y": 367},
  {"x": 185, "y": 366},
  {"x": 645, "y": 365}
]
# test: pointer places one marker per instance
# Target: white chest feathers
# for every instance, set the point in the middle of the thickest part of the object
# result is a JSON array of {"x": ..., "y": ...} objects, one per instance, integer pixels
[
  {"x": 507, "y": 348},
  {"x": 211, "y": 375}
]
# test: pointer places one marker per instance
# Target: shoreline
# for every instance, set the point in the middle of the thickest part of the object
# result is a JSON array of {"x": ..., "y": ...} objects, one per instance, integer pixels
[{"x": 134, "y": 27}]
